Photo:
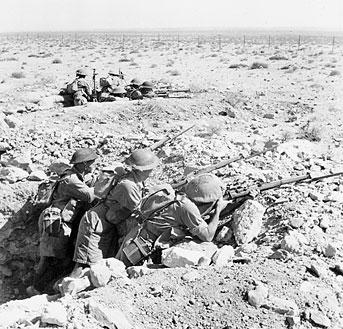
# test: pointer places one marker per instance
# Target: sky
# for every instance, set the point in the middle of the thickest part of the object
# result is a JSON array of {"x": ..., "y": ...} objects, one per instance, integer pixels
[{"x": 77, "y": 15}]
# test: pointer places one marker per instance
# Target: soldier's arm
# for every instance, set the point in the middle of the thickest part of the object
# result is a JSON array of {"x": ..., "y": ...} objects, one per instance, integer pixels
[{"x": 78, "y": 190}]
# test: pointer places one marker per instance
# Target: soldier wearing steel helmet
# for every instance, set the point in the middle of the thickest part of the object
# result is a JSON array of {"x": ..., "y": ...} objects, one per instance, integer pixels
[
  {"x": 79, "y": 89},
  {"x": 133, "y": 89},
  {"x": 183, "y": 215},
  {"x": 111, "y": 87},
  {"x": 102, "y": 226},
  {"x": 70, "y": 197},
  {"x": 147, "y": 89}
]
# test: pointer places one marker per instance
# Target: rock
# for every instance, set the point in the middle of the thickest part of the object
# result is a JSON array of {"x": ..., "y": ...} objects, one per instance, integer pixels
[
  {"x": 179, "y": 257},
  {"x": 206, "y": 248},
  {"x": 223, "y": 256},
  {"x": 60, "y": 166},
  {"x": 112, "y": 318},
  {"x": 316, "y": 196},
  {"x": 258, "y": 296},
  {"x": 324, "y": 223},
  {"x": 320, "y": 319},
  {"x": 116, "y": 267},
  {"x": 282, "y": 306},
  {"x": 13, "y": 174},
  {"x": 55, "y": 314},
  {"x": 247, "y": 221},
  {"x": 71, "y": 286},
  {"x": 269, "y": 116},
  {"x": 12, "y": 121},
  {"x": 190, "y": 276},
  {"x": 294, "y": 242},
  {"x": 339, "y": 268},
  {"x": 37, "y": 175},
  {"x": 137, "y": 271},
  {"x": 293, "y": 320},
  {"x": 334, "y": 196},
  {"x": 3, "y": 145},
  {"x": 296, "y": 222},
  {"x": 22, "y": 161},
  {"x": 319, "y": 269},
  {"x": 330, "y": 250},
  {"x": 100, "y": 274},
  {"x": 224, "y": 235},
  {"x": 4, "y": 128},
  {"x": 280, "y": 254},
  {"x": 246, "y": 248}
]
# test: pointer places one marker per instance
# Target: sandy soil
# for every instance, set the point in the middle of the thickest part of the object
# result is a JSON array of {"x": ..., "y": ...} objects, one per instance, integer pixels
[{"x": 296, "y": 100}]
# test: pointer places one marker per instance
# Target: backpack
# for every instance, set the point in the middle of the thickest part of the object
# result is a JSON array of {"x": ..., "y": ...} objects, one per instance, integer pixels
[
  {"x": 107, "y": 179},
  {"x": 162, "y": 197},
  {"x": 45, "y": 192},
  {"x": 72, "y": 87}
]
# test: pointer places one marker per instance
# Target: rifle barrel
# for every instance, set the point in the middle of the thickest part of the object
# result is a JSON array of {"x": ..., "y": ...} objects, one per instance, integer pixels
[{"x": 168, "y": 139}]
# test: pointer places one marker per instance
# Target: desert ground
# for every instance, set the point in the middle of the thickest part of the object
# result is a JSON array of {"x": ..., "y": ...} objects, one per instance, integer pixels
[{"x": 246, "y": 93}]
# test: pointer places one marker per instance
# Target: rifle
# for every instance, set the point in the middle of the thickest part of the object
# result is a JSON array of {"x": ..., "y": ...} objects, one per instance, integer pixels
[
  {"x": 172, "y": 93},
  {"x": 219, "y": 165},
  {"x": 94, "y": 92},
  {"x": 238, "y": 198},
  {"x": 168, "y": 139}
]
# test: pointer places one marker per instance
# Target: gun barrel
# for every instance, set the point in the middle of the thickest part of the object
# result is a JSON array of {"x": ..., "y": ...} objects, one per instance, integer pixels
[{"x": 168, "y": 139}]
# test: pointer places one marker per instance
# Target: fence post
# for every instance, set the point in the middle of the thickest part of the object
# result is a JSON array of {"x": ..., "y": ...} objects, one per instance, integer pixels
[
  {"x": 269, "y": 41},
  {"x": 243, "y": 41},
  {"x": 123, "y": 43},
  {"x": 219, "y": 42},
  {"x": 299, "y": 43},
  {"x": 333, "y": 44},
  {"x": 198, "y": 41}
]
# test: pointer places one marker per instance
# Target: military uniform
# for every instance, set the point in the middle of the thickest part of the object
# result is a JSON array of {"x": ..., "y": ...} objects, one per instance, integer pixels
[
  {"x": 84, "y": 92},
  {"x": 102, "y": 226}
]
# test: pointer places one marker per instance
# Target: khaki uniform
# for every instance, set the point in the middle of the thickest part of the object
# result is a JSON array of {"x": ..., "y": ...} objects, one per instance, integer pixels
[
  {"x": 102, "y": 226},
  {"x": 71, "y": 187},
  {"x": 84, "y": 92},
  {"x": 106, "y": 91},
  {"x": 171, "y": 225}
]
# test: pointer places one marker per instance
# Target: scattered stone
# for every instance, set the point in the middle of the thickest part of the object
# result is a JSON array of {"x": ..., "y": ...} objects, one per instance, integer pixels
[
  {"x": 296, "y": 222},
  {"x": 156, "y": 291},
  {"x": 37, "y": 175},
  {"x": 224, "y": 235},
  {"x": 330, "y": 250},
  {"x": 320, "y": 319},
  {"x": 319, "y": 269},
  {"x": 282, "y": 306},
  {"x": 269, "y": 116},
  {"x": 223, "y": 256},
  {"x": 294, "y": 242},
  {"x": 22, "y": 161},
  {"x": 55, "y": 314},
  {"x": 246, "y": 248},
  {"x": 247, "y": 221},
  {"x": 190, "y": 276},
  {"x": 71, "y": 286},
  {"x": 258, "y": 296},
  {"x": 13, "y": 174},
  {"x": 137, "y": 271},
  {"x": 293, "y": 320},
  {"x": 339, "y": 268},
  {"x": 334, "y": 196},
  {"x": 60, "y": 166},
  {"x": 12, "y": 121},
  {"x": 100, "y": 274},
  {"x": 179, "y": 257},
  {"x": 112, "y": 318},
  {"x": 280, "y": 254},
  {"x": 316, "y": 196},
  {"x": 117, "y": 268}
]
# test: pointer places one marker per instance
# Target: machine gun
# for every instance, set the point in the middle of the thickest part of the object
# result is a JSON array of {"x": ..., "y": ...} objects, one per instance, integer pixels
[
  {"x": 173, "y": 93},
  {"x": 219, "y": 165},
  {"x": 94, "y": 91},
  {"x": 239, "y": 197}
]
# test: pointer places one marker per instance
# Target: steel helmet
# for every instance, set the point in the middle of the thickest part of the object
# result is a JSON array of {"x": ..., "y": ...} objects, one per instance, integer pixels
[
  {"x": 118, "y": 90},
  {"x": 147, "y": 85},
  {"x": 135, "y": 82},
  {"x": 81, "y": 72},
  {"x": 142, "y": 159},
  {"x": 83, "y": 155},
  {"x": 136, "y": 94},
  {"x": 204, "y": 188}
]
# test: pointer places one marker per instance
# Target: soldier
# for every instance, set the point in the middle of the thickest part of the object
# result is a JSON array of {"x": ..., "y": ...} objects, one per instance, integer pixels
[
  {"x": 169, "y": 217},
  {"x": 80, "y": 89},
  {"x": 147, "y": 89},
  {"x": 102, "y": 226},
  {"x": 57, "y": 222},
  {"x": 133, "y": 89}
]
